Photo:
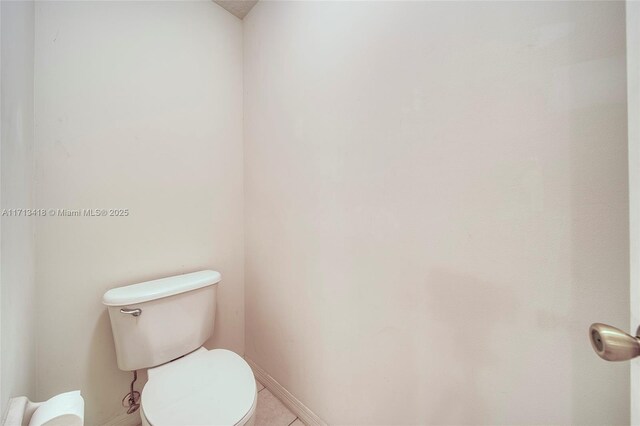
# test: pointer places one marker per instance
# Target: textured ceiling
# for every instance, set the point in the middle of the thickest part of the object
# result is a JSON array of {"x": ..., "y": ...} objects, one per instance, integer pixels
[{"x": 240, "y": 8}]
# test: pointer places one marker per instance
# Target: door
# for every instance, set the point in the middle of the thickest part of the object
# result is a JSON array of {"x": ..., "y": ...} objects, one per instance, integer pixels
[
  {"x": 633, "y": 111},
  {"x": 608, "y": 342}
]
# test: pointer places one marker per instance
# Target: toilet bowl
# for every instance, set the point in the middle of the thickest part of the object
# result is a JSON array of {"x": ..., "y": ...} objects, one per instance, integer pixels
[
  {"x": 206, "y": 387},
  {"x": 161, "y": 326}
]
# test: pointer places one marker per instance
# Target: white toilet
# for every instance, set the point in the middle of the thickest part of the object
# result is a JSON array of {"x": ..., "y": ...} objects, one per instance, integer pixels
[{"x": 161, "y": 325}]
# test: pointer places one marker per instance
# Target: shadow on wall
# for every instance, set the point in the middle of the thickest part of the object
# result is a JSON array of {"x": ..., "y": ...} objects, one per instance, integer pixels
[{"x": 468, "y": 318}]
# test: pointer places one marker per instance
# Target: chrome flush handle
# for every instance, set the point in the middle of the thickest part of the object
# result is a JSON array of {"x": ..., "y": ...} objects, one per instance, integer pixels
[
  {"x": 136, "y": 312},
  {"x": 613, "y": 344}
]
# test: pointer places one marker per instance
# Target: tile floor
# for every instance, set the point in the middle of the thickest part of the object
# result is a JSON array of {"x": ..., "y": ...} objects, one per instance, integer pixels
[{"x": 272, "y": 412}]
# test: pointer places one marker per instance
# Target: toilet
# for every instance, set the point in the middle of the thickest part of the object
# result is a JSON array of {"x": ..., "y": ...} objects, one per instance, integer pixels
[{"x": 161, "y": 325}]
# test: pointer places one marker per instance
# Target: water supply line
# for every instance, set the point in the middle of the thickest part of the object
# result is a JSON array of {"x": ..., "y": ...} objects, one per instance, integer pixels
[{"x": 132, "y": 399}]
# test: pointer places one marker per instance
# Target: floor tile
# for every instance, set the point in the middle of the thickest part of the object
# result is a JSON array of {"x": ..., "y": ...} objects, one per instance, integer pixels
[
  {"x": 272, "y": 412},
  {"x": 259, "y": 386},
  {"x": 297, "y": 422}
]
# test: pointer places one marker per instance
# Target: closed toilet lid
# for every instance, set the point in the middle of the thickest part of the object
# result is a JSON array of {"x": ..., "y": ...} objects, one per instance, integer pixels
[{"x": 214, "y": 387}]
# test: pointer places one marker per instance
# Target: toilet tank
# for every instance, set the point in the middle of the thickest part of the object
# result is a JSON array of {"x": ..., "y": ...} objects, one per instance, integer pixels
[{"x": 158, "y": 321}]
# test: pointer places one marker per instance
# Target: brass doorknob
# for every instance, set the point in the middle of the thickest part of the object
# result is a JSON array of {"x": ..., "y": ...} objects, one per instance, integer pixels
[{"x": 613, "y": 344}]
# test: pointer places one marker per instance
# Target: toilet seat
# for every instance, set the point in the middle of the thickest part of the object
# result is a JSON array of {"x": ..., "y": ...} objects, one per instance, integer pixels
[{"x": 215, "y": 387}]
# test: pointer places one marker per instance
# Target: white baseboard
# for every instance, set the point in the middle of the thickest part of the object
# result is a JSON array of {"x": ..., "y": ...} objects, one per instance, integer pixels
[
  {"x": 307, "y": 416},
  {"x": 124, "y": 419}
]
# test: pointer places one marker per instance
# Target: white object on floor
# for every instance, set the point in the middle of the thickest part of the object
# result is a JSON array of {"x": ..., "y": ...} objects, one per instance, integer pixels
[{"x": 65, "y": 409}]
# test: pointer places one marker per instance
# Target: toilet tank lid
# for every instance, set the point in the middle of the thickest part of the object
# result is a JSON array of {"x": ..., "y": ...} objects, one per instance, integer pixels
[{"x": 157, "y": 289}]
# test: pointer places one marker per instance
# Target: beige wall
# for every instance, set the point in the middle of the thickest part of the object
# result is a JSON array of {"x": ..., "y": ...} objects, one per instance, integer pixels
[
  {"x": 138, "y": 106},
  {"x": 436, "y": 208},
  {"x": 17, "y": 290}
]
